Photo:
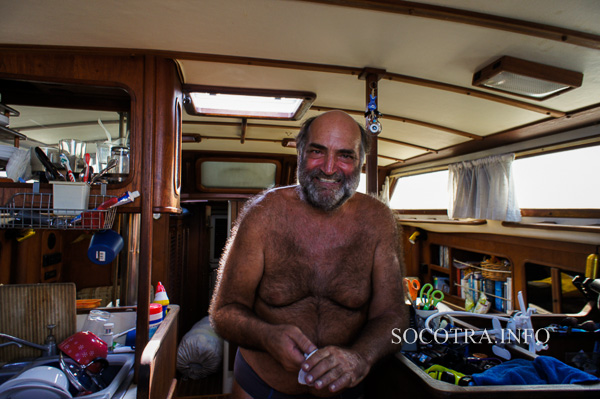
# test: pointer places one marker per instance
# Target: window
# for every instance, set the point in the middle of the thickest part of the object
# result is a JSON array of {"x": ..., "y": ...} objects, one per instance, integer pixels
[
  {"x": 424, "y": 191},
  {"x": 220, "y": 175},
  {"x": 362, "y": 185},
  {"x": 566, "y": 179}
]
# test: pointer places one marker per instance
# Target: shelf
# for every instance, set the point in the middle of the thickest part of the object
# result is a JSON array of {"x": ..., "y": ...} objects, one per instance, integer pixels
[
  {"x": 35, "y": 211},
  {"x": 439, "y": 269},
  {"x": 468, "y": 274}
]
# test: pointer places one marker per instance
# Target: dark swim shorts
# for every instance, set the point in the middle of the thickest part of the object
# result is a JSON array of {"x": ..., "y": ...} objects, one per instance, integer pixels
[{"x": 256, "y": 387}]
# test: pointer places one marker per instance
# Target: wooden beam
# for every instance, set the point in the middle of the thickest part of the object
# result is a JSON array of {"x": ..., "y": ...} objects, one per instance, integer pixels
[
  {"x": 303, "y": 66},
  {"x": 371, "y": 80},
  {"x": 488, "y": 21},
  {"x": 406, "y": 120}
]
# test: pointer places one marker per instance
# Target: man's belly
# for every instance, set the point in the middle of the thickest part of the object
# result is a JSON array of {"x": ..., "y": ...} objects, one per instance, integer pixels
[{"x": 323, "y": 322}]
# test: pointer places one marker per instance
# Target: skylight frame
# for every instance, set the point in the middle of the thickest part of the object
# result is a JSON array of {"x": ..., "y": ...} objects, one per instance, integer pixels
[{"x": 305, "y": 99}]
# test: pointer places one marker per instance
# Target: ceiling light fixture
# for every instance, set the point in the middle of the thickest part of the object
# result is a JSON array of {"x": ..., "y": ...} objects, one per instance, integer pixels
[
  {"x": 526, "y": 79},
  {"x": 247, "y": 103}
]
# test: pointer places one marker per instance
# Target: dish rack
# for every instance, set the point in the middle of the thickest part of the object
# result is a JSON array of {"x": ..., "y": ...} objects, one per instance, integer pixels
[{"x": 35, "y": 211}]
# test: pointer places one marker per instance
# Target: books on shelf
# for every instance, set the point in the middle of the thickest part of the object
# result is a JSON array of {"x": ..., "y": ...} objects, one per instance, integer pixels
[
  {"x": 444, "y": 256},
  {"x": 470, "y": 284}
]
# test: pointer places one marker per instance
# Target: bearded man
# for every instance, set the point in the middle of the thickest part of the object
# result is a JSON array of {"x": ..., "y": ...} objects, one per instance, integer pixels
[{"x": 310, "y": 283}]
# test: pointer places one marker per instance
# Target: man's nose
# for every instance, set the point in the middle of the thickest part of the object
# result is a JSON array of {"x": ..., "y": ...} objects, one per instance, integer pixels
[{"x": 329, "y": 165}]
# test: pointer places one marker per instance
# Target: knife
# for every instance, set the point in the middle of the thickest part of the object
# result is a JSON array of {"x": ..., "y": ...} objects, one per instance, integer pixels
[{"x": 52, "y": 171}]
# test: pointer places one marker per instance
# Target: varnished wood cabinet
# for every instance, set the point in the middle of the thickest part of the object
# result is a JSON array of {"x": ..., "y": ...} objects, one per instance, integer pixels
[{"x": 145, "y": 87}]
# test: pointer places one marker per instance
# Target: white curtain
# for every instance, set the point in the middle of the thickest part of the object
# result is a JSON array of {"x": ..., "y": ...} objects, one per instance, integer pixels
[{"x": 483, "y": 189}]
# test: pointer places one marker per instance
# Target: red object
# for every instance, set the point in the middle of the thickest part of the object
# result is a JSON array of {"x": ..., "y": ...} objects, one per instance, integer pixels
[
  {"x": 160, "y": 287},
  {"x": 87, "y": 167},
  {"x": 85, "y": 347},
  {"x": 92, "y": 220}
]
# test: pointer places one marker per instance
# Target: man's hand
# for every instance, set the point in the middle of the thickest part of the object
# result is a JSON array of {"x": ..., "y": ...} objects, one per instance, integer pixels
[
  {"x": 335, "y": 368},
  {"x": 288, "y": 344}
]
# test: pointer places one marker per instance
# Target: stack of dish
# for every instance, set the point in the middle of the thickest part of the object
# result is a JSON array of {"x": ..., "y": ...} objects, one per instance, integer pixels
[{"x": 37, "y": 382}]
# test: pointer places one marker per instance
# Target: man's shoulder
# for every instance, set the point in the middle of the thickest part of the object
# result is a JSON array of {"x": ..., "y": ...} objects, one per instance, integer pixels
[
  {"x": 270, "y": 200},
  {"x": 369, "y": 202}
]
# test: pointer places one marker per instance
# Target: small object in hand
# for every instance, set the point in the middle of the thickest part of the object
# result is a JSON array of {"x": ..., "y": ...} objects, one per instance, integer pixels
[{"x": 302, "y": 374}]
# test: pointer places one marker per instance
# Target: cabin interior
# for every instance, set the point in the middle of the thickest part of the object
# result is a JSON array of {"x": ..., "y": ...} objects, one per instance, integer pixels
[{"x": 432, "y": 81}]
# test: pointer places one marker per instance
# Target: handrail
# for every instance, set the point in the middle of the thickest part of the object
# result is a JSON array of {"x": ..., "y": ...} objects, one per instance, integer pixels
[{"x": 161, "y": 351}]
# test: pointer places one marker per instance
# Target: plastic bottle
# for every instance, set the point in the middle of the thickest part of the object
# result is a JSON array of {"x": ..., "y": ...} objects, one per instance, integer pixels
[
  {"x": 156, "y": 317},
  {"x": 161, "y": 298},
  {"x": 107, "y": 335}
]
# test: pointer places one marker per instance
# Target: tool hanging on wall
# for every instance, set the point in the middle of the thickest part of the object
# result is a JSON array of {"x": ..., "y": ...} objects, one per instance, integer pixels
[{"x": 372, "y": 114}]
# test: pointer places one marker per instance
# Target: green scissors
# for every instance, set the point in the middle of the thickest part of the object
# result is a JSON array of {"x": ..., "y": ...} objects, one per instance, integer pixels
[{"x": 430, "y": 297}]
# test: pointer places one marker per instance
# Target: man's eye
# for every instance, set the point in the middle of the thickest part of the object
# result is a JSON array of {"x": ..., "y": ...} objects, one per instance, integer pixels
[{"x": 347, "y": 156}]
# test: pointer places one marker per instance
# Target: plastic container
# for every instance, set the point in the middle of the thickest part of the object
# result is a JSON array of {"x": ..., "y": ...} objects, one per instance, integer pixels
[
  {"x": 95, "y": 321},
  {"x": 161, "y": 298},
  {"x": 156, "y": 317},
  {"x": 107, "y": 336},
  {"x": 69, "y": 198}
]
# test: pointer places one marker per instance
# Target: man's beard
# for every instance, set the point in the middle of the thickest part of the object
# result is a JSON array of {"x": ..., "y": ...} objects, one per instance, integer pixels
[{"x": 324, "y": 198}]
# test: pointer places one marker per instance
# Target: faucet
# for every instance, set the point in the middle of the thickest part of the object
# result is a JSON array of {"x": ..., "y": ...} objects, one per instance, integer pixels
[{"x": 48, "y": 349}]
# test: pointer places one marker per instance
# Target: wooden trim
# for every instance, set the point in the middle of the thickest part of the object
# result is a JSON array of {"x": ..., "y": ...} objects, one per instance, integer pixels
[
  {"x": 476, "y": 222},
  {"x": 420, "y": 212},
  {"x": 522, "y": 27},
  {"x": 587, "y": 116},
  {"x": 157, "y": 367},
  {"x": 146, "y": 231},
  {"x": 562, "y": 213},
  {"x": 550, "y": 226}
]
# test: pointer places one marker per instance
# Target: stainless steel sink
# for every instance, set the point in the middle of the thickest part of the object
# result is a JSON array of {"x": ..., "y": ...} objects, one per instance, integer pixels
[{"x": 118, "y": 375}]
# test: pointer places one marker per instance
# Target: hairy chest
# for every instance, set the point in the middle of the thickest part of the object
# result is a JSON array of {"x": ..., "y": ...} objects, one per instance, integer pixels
[{"x": 328, "y": 261}]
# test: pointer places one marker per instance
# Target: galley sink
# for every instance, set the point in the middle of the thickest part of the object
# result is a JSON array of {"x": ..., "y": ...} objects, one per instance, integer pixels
[{"x": 117, "y": 376}]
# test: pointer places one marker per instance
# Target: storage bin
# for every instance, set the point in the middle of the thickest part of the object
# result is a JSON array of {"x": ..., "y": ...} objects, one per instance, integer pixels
[{"x": 69, "y": 198}]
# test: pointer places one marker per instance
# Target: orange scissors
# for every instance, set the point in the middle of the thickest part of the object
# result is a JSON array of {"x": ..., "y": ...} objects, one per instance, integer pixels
[{"x": 413, "y": 288}]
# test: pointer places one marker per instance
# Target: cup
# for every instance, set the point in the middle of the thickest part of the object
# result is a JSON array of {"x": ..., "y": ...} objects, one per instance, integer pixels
[
  {"x": 421, "y": 315},
  {"x": 120, "y": 172},
  {"x": 95, "y": 321},
  {"x": 74, "y": 150},
  {"x": 102, "y": 154},
  {"x": 121, "y": 154},
  {"x": 86, "y": 349},
  {"x": 104, "y": 247},
  {"x": 72, "y": 147}
]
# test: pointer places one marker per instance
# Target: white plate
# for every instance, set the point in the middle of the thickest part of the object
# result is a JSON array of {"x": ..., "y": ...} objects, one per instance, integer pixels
[
  {"x": 50, "y": 375},
  {"x": 34, "y": 391},
  {"x": 29, "y": 382}
]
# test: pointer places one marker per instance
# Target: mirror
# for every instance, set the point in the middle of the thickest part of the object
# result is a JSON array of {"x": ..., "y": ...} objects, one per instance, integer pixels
[
  {"x": 69, "y": 119},
  {"x": 73, "y": 120}
]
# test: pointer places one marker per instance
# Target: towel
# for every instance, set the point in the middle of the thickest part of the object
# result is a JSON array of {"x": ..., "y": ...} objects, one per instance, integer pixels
[{"x": 542, "y": 370}]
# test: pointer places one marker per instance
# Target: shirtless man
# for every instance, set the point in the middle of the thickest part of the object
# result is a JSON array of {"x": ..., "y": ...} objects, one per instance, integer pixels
[{"x": 310, "y": 267}]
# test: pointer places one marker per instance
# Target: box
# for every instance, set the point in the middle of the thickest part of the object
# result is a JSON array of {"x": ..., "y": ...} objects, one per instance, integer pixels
[{"x": 69, "y": 198}]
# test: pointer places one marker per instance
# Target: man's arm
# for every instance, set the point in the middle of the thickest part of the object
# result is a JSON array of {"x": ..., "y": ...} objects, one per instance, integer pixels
[
  {"x": 231, "y": 309},
  {"x": 337, "y": 368}
]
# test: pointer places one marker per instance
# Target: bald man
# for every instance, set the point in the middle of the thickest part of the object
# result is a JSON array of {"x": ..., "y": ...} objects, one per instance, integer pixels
[{"x": 312, "y": 270}]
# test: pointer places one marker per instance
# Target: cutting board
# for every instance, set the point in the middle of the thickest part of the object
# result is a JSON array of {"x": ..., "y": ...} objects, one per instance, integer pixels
[{"x": 27, "y": 309}]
